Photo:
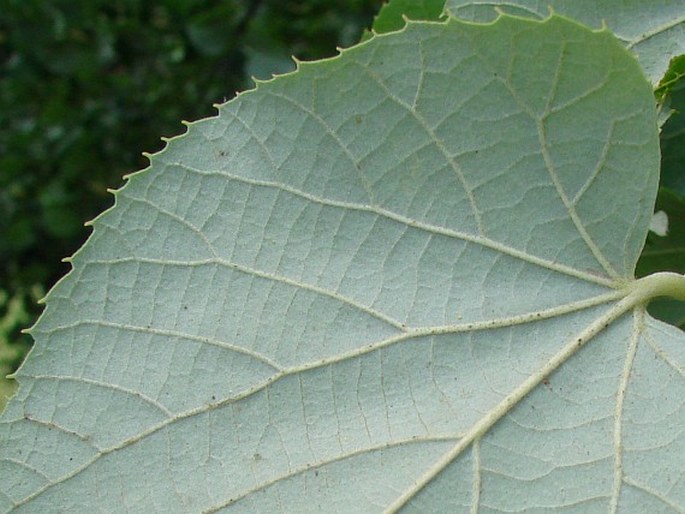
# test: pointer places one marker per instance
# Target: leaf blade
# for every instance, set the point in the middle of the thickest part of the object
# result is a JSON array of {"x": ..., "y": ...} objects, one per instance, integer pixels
[
  {"x": 279, "y": 298},
  {"x": 652, "y": 30}
]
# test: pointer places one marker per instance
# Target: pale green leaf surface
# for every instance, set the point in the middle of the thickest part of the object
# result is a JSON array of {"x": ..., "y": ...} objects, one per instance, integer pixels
[
  {"x": 653, "y": 29},
  {"x": 396, "y": 278}
]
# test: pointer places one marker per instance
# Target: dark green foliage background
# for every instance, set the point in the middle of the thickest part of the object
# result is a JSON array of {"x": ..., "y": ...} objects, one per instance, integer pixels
[{"x": 87, "y": 86}]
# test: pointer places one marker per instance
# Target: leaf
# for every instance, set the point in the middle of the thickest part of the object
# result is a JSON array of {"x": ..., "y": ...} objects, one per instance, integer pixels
[
  {"x": 399, "y": 277},
  {"x": 668, "y": 310},
  {"x": 666, "y": 253},
  {"x": 393, "y": 13},
  {"x": 673, "y": 79},
  {"x": 673, "y": 133},
  {"x": 654, "y": 30}
]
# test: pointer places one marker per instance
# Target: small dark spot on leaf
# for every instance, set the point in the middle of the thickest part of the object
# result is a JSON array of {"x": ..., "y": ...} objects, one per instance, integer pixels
[{"x": 358, "y": 118}]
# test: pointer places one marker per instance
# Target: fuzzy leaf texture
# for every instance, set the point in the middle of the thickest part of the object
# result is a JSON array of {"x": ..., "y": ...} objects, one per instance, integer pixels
[{"x": 398, "y": 279}]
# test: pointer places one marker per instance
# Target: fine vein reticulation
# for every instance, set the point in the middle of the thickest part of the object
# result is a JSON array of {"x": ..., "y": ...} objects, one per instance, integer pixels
[{"x": 548, "y": 336}]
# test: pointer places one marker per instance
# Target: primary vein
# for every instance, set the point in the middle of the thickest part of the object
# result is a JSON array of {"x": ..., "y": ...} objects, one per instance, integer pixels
[{"x": 633, "y": 299}]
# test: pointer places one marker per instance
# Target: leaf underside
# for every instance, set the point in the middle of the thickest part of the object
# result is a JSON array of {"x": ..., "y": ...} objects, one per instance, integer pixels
[
  {"x": 348, "y": 292},
  {"x": 653, "y": 30}
]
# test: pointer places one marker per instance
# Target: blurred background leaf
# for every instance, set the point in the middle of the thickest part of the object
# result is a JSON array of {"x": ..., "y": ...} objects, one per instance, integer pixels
[
  {"x": 665, "y": 251},
  {"x": 665, "y": 246},
  {"x": 392, "y": 15},
  {"x": 671, "y": 90}
]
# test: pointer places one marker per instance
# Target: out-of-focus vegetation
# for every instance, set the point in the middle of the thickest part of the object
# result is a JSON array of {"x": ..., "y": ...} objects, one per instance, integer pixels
[{"x": 86, "y": 86}]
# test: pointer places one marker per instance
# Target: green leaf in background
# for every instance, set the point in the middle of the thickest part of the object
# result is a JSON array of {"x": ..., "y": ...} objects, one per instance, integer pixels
[
  {"x": 672, "y": 79},
  {"x": 654, "y": 29},
  {"x": 666, "y": 251},
  {"x": 14, "y": 316},
  {"x": 392, "y": 15},
  {"x": 668, "y": 310},
  {"x": 673, "y": 131},
  {"x": 401, "y": 277}
]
